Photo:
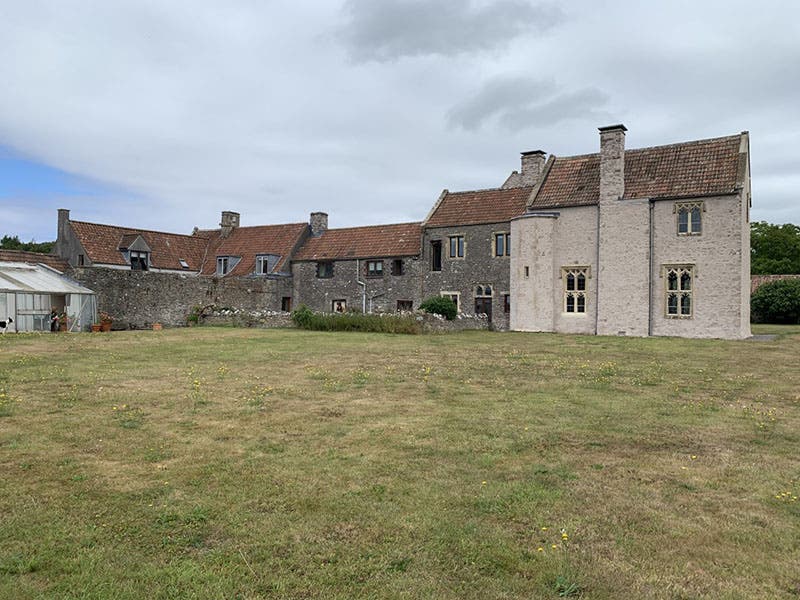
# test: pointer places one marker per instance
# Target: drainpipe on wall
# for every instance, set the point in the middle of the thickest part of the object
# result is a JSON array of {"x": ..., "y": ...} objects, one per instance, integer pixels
[
  {"x": 597, "y": 273},
  {"x": 650, "y": 272},
  {"x": 363, "y": 287}
]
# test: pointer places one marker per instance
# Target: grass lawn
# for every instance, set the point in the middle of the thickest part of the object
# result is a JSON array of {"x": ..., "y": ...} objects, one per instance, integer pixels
[{"x": 245, "y": 463}]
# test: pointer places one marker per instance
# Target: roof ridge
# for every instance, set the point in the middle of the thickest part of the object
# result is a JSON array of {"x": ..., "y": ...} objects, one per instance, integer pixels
[
  {"x": 735, "y": 136},
  {"x": 136, "y": 229},
  {"x": 689, "y": 143},
  {"x": 299, "y": 224},
  {"x": 492, "y": 189},
  {"x": 370, "y": 226}
]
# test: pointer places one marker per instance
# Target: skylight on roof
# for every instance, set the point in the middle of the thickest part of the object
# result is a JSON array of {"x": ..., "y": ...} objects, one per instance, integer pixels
[{"x": 184, "y": 264}]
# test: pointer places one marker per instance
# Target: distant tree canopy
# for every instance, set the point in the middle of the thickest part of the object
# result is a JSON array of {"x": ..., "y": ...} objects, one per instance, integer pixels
[
  {"x": 774, "y": 249},
  {"x": 8, "y": 242}
]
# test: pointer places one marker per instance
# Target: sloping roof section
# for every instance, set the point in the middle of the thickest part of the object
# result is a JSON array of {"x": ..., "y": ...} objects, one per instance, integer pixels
[
  {"x": 248, "y": 242},
  {"x": 35, "y": 278},
  {"x": 373, "y": 241},
  {"x": 102, "y": 243},
  {"x": 478, "y": 207},
  {"x": 689, "y": 169},
  {"x": 34, "y": 258}
]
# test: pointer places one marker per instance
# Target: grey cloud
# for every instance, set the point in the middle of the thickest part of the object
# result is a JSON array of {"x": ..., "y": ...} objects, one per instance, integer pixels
[
  {"x": 391, "y": 29},
  {"x": 520, "y": 102}
]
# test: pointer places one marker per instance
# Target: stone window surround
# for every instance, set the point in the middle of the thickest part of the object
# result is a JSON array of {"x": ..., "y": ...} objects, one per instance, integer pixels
[
  {"x": 692, "y": 272},
  {"x": 686, "y": 208},
  {"x": 506, "y": 244},
  {"x": 576, "y": 270},
  {"x": 480, "y": 290},
  {"x": 375, "y": 268},
  {"x": 450, "y": 294},
  {"x": 463, "y": 246}
]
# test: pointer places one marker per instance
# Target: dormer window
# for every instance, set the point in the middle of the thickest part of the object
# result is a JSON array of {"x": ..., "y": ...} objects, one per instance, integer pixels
[
  {"x": 140, "y": 261},
  {"x": 265, "y": 263},
  {"x": 226, "y": 264}
]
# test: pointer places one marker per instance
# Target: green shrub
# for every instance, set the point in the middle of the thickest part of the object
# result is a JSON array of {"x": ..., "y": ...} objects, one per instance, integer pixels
[
  {"x": 305, "y": 318},
  {"x": 440, "y": 305},
  {"x": 776, "y": 302}
]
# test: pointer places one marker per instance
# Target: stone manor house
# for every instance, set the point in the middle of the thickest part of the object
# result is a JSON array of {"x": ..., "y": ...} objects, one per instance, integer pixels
[{"x": 649, "y": 241}]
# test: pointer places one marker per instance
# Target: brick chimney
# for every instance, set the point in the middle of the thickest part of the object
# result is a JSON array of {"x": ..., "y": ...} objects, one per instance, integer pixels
[
  {"x": 532, "y": 167},
  {"x": 318, "y": 223},
  {"x": 229, "y": 222},
  {"x": 612, "y": 162}
]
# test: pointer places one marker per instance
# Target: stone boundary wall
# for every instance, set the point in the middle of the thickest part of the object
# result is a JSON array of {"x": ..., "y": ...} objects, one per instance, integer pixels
[
  {"x": 758, "y": 280},
  {"x": 137, "y": 299},
  {"x": 274, "y": 319},
  {"x": 243, "y": 318}
]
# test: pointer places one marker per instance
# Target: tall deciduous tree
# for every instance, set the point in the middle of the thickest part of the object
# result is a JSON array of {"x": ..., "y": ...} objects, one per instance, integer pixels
[{"x": 774, "y": 249}]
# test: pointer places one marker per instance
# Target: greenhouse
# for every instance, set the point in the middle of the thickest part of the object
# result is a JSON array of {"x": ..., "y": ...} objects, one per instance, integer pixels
[{"x": 30, "y": 292}]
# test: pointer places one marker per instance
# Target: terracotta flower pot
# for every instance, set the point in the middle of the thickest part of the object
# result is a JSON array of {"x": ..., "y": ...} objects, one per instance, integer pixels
[
  {"x": 95, "y": 327},
  {"x": 157, "y": 327},
  {"x": 105, "y": 325}
]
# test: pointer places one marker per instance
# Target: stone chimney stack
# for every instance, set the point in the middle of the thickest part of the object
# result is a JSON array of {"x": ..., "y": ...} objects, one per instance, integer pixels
[
  {"x": 318, "y": 223},
  {"x": 229, "y": 222},
  {"x": 532, "y": 167},
  {"x": 612, "y": 163},
  {"x": 62, "y": 233}
]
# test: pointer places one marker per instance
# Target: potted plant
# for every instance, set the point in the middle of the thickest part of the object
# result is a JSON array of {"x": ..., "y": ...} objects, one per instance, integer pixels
[
  {"x": 105, "y": 321},
  {"x": 62, "y": 321},
  {"x": 96, "y": 326},
  {"x": 157, "y": 327}
]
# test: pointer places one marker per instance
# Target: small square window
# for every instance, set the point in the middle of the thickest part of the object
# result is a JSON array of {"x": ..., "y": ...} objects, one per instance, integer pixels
[
  {"x": 374, "y": 268},
  {"x": 457, "y": 246},
  {"x": 405, "y": 306},
  {"x": 397, "y": 266},
  {"x": 339, "y": 306},
  {"x": 325, "y": 270}
]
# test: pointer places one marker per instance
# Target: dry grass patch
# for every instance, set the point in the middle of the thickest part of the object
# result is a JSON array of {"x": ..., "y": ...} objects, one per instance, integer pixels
[{"x": 252, "y": 463}]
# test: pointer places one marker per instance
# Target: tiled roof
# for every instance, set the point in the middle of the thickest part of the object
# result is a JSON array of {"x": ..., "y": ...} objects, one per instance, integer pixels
[
  {"x": 374, "y": 241},
  {"x": 481, "y": 206},
  {"x": 54, "y": 262},
  {"x": 247, "y": 242},
  {"x": 102, "y": 243},
  {"x": 689, "y": 169}
]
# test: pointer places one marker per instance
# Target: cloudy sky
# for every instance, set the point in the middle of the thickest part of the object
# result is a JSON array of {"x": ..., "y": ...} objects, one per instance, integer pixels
[{"x": 162, "y": 114}]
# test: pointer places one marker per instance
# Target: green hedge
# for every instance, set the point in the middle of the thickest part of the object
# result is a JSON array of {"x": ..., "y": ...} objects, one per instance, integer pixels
[
  {"x": 439, "y": 305},
  {"x": 776, "y": 302},
  {"x": 305, "y": 318}
]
